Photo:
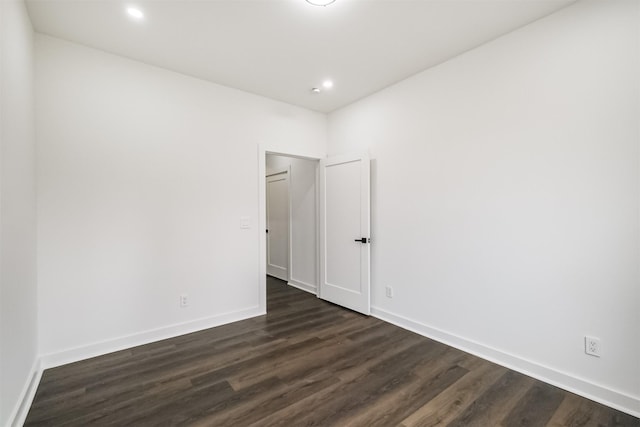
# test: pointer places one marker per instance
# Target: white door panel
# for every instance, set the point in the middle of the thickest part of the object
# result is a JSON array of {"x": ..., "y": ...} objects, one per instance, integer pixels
[
  {"x": 343, "y": 184},
  {"x": 344, "y": 213}
]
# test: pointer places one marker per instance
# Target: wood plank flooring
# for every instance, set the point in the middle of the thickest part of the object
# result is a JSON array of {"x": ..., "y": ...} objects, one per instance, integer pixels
[{"x": 306, "y": 363}]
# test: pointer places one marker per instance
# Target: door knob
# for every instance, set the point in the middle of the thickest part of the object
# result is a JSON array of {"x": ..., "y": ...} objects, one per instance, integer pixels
[{"x": 363, "y": 240}]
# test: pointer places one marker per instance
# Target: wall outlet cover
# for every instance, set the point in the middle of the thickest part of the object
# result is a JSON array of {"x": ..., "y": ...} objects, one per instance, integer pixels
[
  {"x": 184, "y": 300},
  {"x": 592, "y": 346}
]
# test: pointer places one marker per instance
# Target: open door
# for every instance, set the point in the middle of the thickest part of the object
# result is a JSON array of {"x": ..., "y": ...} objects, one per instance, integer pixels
[{"x": 344, "y": 232}]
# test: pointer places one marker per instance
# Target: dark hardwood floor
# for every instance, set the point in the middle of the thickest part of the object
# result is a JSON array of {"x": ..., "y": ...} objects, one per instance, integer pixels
[{"x": 306, "y": 363}]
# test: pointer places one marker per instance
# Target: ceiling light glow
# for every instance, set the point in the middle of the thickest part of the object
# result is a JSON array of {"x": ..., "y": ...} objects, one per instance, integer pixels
[
  {"x": 320, "y": 2},
  {"x": 327, "y": 84},
  {"x": 135, "y": 13}
]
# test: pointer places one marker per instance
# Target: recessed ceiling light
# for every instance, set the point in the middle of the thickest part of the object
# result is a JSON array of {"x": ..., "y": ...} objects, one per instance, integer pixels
[
  {"x": 315, "y": 90},
  {"x": 327, "y": 84},
  {"x": 320, "y": 2},
  {"x": 135, "y": 13}
]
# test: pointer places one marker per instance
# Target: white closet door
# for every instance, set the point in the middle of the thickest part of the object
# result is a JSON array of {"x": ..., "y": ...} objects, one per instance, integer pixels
[{"x": 278, "y": 225}]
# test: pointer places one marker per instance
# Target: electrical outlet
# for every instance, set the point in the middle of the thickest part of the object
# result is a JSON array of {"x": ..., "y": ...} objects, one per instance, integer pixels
[
  {"x": 389, "y": 291},
  {"x": 184, "y": 300},
  {"x": 592, "y": 346}
]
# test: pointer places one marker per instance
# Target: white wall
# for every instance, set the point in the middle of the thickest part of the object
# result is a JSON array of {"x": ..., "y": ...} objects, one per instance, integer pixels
[
  {"x": 303, "y": 217},
  {"x": 18, "y": 304},
  {"x": 139, "y": 202},
  {"x": 506, "y": 198}
]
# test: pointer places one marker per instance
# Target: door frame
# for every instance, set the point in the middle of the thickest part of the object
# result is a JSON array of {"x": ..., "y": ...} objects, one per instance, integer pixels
[{"x": 263, "y": 150}]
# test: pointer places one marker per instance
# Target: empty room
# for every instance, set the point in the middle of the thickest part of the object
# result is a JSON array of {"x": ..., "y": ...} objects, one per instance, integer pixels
[{"x": 320, "y": 212}]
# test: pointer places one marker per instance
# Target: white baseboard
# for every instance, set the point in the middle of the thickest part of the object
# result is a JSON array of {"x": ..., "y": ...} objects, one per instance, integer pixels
[
  {"x": 307, "y": 287},
  {"x": 20, "y": 411},
  {"x": 613, "y": 398},
  {"x": 99, "y": 348},
  {"x": 277, "y": 272}
]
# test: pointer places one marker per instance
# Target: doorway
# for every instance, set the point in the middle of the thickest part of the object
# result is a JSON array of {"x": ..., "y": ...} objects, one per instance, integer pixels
[
  {"x": 291, "y": 220},
  {"x": 335, "y": 256}
]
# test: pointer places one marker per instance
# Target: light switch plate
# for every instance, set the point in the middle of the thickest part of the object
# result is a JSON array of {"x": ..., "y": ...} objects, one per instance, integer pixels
[{"x": 245, "y": 222}]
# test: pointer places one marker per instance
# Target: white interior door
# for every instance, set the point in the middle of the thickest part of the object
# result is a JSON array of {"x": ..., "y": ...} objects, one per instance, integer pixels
[
  {"x": 344, "y": 232},
  {"x": 277, "y": 196}
]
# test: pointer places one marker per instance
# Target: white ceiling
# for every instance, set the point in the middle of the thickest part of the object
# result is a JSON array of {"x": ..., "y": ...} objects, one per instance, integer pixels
[{"x": 282, "y": 48}]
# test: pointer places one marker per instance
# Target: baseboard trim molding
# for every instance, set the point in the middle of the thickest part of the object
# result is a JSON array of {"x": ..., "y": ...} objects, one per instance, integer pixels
[
  {"x": 307, "y": 287},
  {"x": 20, "y": 411},
  {"x": 613, "y": 398},
  {"x": 64, "y": 357}
]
